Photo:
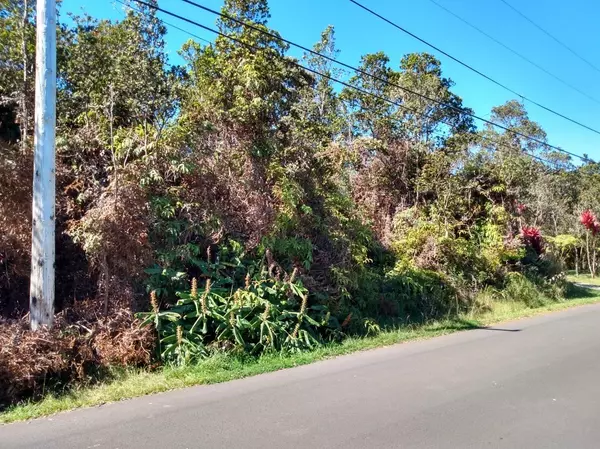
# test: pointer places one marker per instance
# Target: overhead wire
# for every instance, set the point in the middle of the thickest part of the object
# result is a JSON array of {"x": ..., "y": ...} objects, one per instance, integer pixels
[
  {"x": 387, "y": 82},
  {"x": 168, "y": 23},
  {"x": 551, "y": 36},
  {"x": 316, "y": 72},
  {"x": 464, "y": 64},
  {"x": 515, "y": 52}
]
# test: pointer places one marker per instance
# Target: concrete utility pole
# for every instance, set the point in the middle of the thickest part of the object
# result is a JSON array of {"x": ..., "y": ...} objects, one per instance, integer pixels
[{"x": 41, "y": 296}]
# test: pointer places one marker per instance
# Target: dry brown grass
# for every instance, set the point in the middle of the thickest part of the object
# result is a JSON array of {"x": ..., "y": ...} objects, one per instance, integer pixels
[
  {"x": 72, "y": 353},
  {"x": 15, "y": 228}
]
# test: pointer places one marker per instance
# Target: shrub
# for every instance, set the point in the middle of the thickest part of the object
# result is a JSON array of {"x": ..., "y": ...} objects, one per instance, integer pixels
[
  {"x": 548, "y": 265},
  {"x": 484, "y": 300},
  {"x": 77, "y": 350},
  {"x": 532, "y": 237},
  {"x": 267, "y": 314},
  {"x": 114, "y": 236},
  {"x": 519, "y": 288},
  {"x": 16, "y": 171},
  {"x": 496, "y": 250},
  {"x": 420, "y": 294},
  {"x": 291, "y": 251}
]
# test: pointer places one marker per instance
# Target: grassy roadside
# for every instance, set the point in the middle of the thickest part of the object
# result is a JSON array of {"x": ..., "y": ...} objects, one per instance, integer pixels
[
  {"x": 583, "y": 279},
  {"x": 129, "y": 384}
]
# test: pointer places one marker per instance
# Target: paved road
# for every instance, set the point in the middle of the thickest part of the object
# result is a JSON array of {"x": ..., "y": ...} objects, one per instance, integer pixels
[
  {"x": 527, "y": 384},
  {"x": 591, "y": 286}
]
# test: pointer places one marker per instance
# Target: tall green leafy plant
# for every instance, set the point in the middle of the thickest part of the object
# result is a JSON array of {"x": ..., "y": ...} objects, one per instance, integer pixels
[{"x": 266, "y": 314}]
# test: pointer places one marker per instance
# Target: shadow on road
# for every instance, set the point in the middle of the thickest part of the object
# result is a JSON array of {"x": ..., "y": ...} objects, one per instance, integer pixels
[
  {"x": 591, "y": 286},
  {"x": 466, "y": 324}
]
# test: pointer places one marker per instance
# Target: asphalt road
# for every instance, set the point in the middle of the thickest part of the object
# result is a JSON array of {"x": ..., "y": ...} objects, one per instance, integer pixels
[{"x": 529, "y": 384}]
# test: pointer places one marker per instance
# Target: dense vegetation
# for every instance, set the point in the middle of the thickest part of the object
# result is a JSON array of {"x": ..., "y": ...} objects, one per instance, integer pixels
[{"x": 241, "y": 203}]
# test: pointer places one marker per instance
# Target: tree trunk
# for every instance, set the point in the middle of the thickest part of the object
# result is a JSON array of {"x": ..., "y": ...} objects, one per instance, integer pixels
[
  {"x": 106, "y": 276},
  {"x": 593, "y": 267},
  {"x": 587, "y": 252}
]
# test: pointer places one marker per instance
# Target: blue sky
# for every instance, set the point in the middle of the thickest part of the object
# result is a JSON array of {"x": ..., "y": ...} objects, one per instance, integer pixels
[{"x": 574, "y": 22}]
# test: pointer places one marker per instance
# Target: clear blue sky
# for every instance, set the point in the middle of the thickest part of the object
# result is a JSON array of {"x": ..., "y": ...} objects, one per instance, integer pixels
[{"x": 574, "y": 22}]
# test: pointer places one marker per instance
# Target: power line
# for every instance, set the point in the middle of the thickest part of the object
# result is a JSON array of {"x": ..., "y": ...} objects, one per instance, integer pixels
[
  {"x": 167, "y": 23},
  {"x": 185, "y": 31},
  {"x": 363, "y": 72},
  {"x": 551, "y": 36},
  {"x": 333, "y": 79},
  {"x": 513, "y": 51},
  {"x": 395, "y": 25}
]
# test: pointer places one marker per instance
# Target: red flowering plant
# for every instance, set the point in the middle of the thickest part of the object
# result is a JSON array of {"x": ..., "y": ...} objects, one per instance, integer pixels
[
  {"x": 590, "y": 222},
  {"x": 532, "y": 237}
]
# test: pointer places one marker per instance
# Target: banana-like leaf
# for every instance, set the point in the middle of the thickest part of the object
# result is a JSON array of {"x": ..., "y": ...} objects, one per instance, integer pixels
[
  {"x": 310, "y": 321},
  {"x": 238, "y": 336}
]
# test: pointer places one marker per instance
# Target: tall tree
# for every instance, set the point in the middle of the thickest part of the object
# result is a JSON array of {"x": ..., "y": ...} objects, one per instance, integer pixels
[{"x": 426, "y": 121}]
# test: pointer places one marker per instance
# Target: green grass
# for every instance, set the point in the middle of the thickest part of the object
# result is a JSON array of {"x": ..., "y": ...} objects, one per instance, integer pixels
[
  {"x": 221, "y": 368},
  {"x": 583, "y": 278}
]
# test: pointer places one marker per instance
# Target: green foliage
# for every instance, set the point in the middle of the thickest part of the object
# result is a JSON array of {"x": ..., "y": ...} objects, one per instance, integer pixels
[
  {"x": 266, "y": 315},
  {"x": 422, "y": 294},
  {"x": 518, "y": 288},
  {"x": 308, "y": 213},
  {"x": 496, "y": 252},
  {"x": 290, "y": 251},
  {"x": 565, "y": 242},
  {"x": 165, "y": 282},
  {"x": 243, "y": 164},
  {"x": 566, "y": 247},
  {"x": 530, "y": 289}
]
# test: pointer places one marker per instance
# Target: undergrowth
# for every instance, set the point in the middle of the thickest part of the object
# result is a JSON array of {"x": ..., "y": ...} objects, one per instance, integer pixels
[
  {"x": 247, "y": 210},
  {"x": 222, "y": 367}
]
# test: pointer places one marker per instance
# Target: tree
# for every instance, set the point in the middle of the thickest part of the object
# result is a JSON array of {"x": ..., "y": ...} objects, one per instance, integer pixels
[
  {"x": 568, "y": 246},
  {"x": 509, "y": 154},
  {"x": 427, "y": 120},
  {"x": 371, "y": 114},
  {"x": 17, "y": 38},
  {"x": 118, "y": 98}
]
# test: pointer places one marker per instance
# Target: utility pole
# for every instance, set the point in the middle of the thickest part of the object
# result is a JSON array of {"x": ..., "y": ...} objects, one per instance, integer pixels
[{"x": 41, "y": 296}]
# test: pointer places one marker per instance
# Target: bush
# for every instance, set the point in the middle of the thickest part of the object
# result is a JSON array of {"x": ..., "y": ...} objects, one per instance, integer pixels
[
  {"x": 534, "y": 290},
  {"x": 422, "y": 295},
  {"x": 268, "y": 314},
  {"x": 518, "y": 288},
  {"x": 16, "y": 171},
  {"x": 75, "y": 351},
  {"x": 548, "y": 266},
  {"x": 114, "y": 236}
]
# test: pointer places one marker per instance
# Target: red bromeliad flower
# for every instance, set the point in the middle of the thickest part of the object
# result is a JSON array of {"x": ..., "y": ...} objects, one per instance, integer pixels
[
  {"x": 589, "y": 221},
  {"x": 533, "y": 237},
  {"x": 521, "y": 208}
]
